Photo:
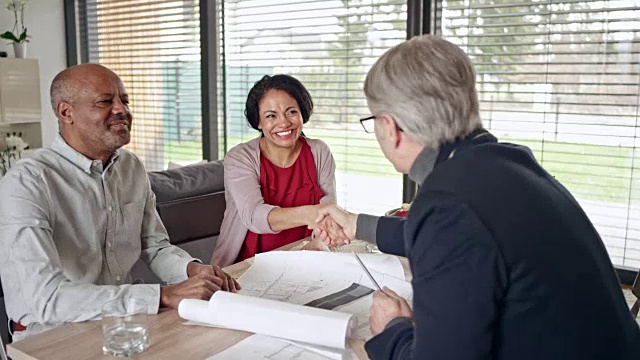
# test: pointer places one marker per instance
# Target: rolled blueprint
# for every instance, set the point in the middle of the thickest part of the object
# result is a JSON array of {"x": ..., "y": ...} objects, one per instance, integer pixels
[{"x": 270, "y": 317}]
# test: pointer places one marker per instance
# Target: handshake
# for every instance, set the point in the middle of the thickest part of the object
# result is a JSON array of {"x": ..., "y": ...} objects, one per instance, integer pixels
[{"x": 332, "y": 225}]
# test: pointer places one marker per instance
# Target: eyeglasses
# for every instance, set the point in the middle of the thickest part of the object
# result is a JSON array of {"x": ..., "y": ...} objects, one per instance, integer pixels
[{"x": 368, "y": 125}]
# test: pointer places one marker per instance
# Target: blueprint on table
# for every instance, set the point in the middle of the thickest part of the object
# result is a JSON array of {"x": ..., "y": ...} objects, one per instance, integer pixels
[
  {"x": 305, "y": 277},
  {"x": 275, "y": 290},
  {"x": 262, "y": 347}
]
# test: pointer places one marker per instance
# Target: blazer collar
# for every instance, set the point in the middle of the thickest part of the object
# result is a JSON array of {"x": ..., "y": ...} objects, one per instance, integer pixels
[{"x": 477, "y": 137}]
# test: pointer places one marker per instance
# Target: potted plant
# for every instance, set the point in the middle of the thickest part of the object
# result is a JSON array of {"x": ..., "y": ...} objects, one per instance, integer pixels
[
  {"x": 11, "y": 151},
  {"x": 19, "y": 39}
]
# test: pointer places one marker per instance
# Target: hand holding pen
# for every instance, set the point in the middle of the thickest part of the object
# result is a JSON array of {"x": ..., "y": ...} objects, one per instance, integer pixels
[{"x": 387, "y": 305}]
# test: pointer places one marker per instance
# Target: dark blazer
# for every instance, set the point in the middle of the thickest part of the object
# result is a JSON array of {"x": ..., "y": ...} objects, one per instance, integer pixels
[{"x": 506, "y": 265}]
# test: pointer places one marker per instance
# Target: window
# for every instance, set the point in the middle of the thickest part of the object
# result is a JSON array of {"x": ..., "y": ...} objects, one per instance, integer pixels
[
  {"x": 560, "y": 77},
  {"x": 154, "y": 46},
  {"x": 563, "y": 77},
  {"x": 329, "y": 46}
]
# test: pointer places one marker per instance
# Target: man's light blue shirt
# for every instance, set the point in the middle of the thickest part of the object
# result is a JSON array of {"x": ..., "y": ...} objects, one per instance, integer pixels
[{"x": 70, "y": 232}]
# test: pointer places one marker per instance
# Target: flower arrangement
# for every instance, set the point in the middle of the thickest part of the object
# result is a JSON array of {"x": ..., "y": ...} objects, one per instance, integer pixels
[
  {"x": 18, "y": 7},
  {"x": 10, "y": 154}
]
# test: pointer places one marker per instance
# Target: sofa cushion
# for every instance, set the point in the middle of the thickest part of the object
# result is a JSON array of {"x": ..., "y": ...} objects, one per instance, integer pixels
[
  {"x": 191, "y": 204},
  {"x": 193, "y": 218},
  {"x": 187, "y": 181}
]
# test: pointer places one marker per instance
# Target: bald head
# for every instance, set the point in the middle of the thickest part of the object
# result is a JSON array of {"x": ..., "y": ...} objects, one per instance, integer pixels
[
  {"x": 92, "y": 107},
  {"x": 67, "y": 86}
]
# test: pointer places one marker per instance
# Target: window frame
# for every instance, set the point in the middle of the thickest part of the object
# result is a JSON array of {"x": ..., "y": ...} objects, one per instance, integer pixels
[{"x": 422, "y": 18}]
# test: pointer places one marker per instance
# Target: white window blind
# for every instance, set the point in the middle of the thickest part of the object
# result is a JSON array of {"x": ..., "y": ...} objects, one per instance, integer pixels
[
  {"x": 154, "y": 46},
  {"x": 329, "y": 46},
  {"x": 563, "y": 77}
]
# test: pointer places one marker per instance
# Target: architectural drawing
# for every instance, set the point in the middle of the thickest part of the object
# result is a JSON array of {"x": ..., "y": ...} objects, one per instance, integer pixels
[
  {"x": 262, "y": 347},
  {"x": 293, "y": 352},
  {"x": 327, "y": 280},
  {"x": 282, "y": 288}
]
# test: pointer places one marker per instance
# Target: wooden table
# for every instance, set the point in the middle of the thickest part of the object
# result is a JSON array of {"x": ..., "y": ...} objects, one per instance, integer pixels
[{"x": 168, "y": 337}]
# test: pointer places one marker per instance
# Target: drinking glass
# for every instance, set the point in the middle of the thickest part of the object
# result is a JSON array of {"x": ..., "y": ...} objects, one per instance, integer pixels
[{"x": 124, "y": 327}]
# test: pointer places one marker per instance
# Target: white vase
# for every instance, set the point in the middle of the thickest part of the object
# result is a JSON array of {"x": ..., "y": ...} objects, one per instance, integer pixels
[{"x": 20, "y": 50}]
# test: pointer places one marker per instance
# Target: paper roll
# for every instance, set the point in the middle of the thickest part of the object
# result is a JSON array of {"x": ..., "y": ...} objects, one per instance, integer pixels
[{"x": 270, "y": 317}]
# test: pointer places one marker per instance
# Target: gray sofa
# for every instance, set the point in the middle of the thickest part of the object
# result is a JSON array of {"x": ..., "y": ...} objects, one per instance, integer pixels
[{"x": 190, "y": 201}]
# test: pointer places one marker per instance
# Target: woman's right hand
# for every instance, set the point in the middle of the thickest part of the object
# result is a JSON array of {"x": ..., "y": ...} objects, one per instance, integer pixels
[{"x": 329, "y": 229}]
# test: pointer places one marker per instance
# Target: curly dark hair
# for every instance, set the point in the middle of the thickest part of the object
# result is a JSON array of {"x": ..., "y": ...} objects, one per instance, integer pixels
[{"x": 282, "y": 82}]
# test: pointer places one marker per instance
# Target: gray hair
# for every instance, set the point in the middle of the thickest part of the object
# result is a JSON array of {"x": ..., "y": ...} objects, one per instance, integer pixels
[
  {"x": 66, "y": 86},
  {"x": 427, "y": 85},
  {"x": 62, "y": 89}
]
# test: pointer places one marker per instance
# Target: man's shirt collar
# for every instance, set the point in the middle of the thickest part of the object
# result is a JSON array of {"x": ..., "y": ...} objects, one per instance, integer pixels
[{"x": 87, "y": 165}]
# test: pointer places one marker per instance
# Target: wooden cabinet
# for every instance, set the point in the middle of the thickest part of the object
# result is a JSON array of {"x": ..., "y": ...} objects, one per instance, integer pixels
[{"x": 19, "y": 91}]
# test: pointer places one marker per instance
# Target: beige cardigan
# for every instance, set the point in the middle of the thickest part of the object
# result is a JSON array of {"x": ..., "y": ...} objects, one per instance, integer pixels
[{"x": 246, "y": 209}]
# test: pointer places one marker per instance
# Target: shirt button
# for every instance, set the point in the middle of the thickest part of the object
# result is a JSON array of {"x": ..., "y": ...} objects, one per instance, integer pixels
[
  {"x": 110, "y": 209},
  {"x": 117, "y": 278},
  {"x": 109, "y": 244}
]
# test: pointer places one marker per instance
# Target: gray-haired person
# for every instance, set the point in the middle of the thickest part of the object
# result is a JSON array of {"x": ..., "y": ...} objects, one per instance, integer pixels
[{"x": 505, "y": 263}]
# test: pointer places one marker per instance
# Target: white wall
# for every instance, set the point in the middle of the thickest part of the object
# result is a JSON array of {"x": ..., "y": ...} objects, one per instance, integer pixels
[{"x": 44, "y": 20}]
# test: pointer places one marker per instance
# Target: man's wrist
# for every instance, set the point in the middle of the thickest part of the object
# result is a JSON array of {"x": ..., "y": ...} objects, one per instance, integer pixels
[
  {"x": 162, "y": 297},
  {"x": 192, "y": 268},
  {"x": 354, "y": 225}
]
